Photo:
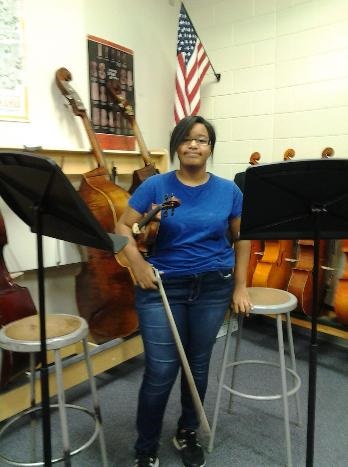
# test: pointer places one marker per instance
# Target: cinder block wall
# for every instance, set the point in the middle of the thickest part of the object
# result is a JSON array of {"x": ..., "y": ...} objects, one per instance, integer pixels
[{"x": 284, "y": 77}]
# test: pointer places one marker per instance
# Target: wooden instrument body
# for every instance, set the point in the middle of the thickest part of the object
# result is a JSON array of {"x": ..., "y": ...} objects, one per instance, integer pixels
[
  {"x": 256, "y": 252},
  {"x": 301, "y": 280},
  {"x": 15, "y": 303},
  {"x": 104, "y": 286},
  {"x": 273, "y": 269},
  {"x": 341, "y": 292}
]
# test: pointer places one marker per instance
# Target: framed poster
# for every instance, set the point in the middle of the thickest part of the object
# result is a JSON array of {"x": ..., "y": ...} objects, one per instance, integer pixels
[
  {"x": 13, "y": 90},
  {"x": 110, "y": 61}
]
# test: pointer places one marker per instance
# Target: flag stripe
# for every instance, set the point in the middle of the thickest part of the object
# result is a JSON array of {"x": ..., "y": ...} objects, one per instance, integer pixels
[{"x": 192, "y": 65}]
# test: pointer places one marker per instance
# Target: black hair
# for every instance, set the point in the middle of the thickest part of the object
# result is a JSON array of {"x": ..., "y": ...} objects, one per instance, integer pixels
[{"x": 184, "y": 127}]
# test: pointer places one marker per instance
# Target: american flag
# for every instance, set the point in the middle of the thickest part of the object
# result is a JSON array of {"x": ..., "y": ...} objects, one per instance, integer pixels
[{"x": 192, "y": 66}]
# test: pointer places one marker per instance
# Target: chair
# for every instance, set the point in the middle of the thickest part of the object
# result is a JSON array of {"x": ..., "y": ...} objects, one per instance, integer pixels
[
  {"x": 266, "y": 301},
  {"x": 62, "y": 330}
]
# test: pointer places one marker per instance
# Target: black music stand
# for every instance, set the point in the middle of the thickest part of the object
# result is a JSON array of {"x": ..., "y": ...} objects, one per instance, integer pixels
[
  {"x": 290, "y": 200},
  {"x": 36, "y": 189}
]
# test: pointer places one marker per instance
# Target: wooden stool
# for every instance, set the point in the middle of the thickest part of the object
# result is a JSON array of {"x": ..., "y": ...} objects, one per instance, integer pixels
[
  {"x": 266, "y": 301},
  {"x": 61, "y": 330}
]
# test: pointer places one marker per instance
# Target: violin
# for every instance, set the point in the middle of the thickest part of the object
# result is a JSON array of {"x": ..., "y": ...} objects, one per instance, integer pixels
[
  {"x": 145, "y": 232},
  {"x": 104, "y": 288},
  {"x": 114, "y": 91},
  {"x": 15, "y": 303}
]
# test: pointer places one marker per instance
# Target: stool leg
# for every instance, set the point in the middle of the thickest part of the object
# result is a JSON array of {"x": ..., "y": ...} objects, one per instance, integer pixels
[
  {"x": 235, "y": 357},
  {"x": 32, "y": 403},
  {"x": 220, "y": 386},
  {"x": 284, "y": 389},
  {"x": 95, "y": 403},
  {"x": 293, "y": 365},
  {"x": 62, "y": 408}
]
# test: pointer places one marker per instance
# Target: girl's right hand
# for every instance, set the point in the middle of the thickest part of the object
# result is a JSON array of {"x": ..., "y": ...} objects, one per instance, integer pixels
[{"x": 145, "y": 275}]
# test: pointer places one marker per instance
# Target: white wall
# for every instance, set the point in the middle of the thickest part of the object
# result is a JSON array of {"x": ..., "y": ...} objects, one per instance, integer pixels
[{"x": 284, "y": 84}]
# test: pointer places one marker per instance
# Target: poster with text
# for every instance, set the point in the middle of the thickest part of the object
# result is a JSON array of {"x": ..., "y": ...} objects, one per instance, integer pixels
[
  {"x": 109, "y": 61},
  {"x": 13, "y": 89}
]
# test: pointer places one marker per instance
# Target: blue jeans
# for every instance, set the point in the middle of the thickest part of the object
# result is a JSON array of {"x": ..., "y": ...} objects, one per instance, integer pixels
[{"x": 198, "y": 303}]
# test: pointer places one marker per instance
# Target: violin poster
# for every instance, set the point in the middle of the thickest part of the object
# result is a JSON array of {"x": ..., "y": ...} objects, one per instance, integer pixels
[{"x": 109, "y": 61}]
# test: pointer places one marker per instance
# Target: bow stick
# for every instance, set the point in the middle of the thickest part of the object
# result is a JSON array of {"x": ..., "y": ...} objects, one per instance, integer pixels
[{"x": 195, "y": 396}]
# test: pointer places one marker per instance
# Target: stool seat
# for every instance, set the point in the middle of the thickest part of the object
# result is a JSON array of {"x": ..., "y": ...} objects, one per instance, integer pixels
[
  {"x": 270, "y": 301},
  {"x": 62, "y": 330},
  {"x": 266, "y": 301}
]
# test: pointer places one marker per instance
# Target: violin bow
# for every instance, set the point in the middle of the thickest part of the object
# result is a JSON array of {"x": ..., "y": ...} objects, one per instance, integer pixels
[{"x": 195, "y": 396}]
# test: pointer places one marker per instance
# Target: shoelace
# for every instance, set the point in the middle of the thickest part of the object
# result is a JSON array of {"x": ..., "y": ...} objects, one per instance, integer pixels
[
  {"x": 145, "y": 461},
  {"x": 189, "y": 439}
]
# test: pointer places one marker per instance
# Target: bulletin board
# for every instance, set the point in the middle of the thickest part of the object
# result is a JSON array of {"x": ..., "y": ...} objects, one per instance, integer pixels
[{"x": 108, "y": 60}]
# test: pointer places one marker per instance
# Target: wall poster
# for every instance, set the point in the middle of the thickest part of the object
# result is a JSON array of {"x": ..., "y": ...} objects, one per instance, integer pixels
[
  {"x": 110, "y": 61},
  {"x": 13, "y": 90}
]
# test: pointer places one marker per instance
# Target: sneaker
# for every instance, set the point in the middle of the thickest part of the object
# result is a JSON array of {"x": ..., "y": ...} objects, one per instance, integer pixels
[
  {"x": 146, "y": 460},
  {"x": 191, "y": 451}
]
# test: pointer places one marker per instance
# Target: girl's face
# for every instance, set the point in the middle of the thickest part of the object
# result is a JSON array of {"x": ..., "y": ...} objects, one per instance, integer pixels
[{"x": 195, "y": 148}]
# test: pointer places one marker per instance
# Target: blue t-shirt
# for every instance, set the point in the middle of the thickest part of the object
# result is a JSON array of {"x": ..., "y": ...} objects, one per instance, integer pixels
[{"x": 195, "y": 238}]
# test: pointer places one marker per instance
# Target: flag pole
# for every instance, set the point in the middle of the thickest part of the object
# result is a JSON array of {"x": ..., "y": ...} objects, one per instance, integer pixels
[{"x": 217, "y": 75}]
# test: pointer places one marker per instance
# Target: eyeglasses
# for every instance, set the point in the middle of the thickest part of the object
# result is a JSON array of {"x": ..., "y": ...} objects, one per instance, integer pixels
[{"x": 199, "y": 141}]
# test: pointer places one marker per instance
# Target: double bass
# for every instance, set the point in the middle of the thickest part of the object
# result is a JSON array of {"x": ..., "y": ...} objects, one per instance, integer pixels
[
  {"x": 15, "y": 303},
  {"x": 114, "y": 92},
  {"x": 104, "y": 287}
]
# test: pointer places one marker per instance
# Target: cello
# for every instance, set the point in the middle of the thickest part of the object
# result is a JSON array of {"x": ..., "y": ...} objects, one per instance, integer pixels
[
  {"x": 114, "y": 91},
  {"x": 256, "y": 246},
  {"x": 274, "y": 268},
  {"x": 104, "y": 287},
  {"x": 341, "y": 293},
  {"x": 15, "y": 303},
  {"x": 301, "y": 279}
]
